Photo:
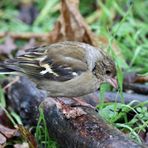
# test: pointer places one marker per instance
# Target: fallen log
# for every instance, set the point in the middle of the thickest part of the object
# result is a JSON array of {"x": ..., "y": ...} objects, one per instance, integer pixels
[
  {"x": 84, "y": 130},
  {"x": 94, "y": 98},
  {"x": 138, "y": 88},
  {"x": 70, "y": 126}
]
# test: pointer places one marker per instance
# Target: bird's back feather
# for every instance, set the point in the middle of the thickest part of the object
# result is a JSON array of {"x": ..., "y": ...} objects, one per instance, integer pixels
[{"x": 57, "y": 62}]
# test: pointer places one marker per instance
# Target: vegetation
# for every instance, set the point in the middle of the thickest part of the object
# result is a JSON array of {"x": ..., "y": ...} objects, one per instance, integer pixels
[{"x": 123, "y": 25}]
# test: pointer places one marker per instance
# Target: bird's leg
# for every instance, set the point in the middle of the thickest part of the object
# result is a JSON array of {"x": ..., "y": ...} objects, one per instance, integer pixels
[{"x": 80, "y": 102}]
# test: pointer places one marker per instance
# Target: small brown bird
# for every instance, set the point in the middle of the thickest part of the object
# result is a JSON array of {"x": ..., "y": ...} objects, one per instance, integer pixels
[{"x": 67, "y": 69}]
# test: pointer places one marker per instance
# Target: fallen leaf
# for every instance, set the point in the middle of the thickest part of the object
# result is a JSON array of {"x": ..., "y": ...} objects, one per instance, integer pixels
[
  {"x": 71, "y": 25},
  {"x": 7, "y": 132},
  {"x": 8, "y": 46},
  {"x": 2, "y": 139},
  {"x": 141, "y": 79}
]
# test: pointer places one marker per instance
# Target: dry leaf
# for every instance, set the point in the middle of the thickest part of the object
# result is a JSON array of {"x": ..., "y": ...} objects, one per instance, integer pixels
[
  {"x": 7, "y": 132},
  {"x": 8, "y": 46},
  {"x": 71, "y": 25},
  {"x": 2, "y": 139}
]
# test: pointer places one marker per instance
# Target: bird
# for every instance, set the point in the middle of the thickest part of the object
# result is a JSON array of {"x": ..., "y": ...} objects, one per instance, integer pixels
[{"x": 64, "y": 69}]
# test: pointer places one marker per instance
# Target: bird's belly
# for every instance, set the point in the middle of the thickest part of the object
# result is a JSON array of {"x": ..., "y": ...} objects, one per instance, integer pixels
[{"x": 79, "y": 86}]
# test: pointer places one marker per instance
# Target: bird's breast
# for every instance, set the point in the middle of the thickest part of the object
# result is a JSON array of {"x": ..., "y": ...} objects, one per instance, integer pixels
[{"x": 81, "y": 85}]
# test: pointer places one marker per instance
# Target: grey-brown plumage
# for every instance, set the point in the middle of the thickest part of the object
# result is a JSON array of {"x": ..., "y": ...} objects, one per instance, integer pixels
[{"x": 67, "y": 69}]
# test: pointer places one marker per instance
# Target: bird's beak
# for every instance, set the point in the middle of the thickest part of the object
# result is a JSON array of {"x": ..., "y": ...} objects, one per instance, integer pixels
[{"x": 113, "y": 82}]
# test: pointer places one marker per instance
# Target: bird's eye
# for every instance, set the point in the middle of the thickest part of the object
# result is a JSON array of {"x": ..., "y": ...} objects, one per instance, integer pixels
[{"x": 108, "y": 72}]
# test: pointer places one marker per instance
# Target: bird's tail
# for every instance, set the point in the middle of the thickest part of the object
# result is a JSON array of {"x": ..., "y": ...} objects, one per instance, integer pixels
[{"x": 7, "y": 68}]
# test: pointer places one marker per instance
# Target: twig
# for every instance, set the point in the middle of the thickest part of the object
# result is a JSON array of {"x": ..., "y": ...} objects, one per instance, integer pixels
[{"x": 25, "y": 36}]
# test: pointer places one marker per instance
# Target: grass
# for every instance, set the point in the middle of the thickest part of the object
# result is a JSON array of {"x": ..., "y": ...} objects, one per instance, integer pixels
[
  {"x": 122, "y": 23},
  {"x": 41, "y": 133},
  {"x": 131, "y": 39},
  {"x": 131, "y": 119}
]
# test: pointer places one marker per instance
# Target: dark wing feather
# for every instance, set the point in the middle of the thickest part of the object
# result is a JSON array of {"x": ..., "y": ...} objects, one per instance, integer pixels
[
  {"x": 49, "y": 62},
  {"x": 60, "y": 72}
]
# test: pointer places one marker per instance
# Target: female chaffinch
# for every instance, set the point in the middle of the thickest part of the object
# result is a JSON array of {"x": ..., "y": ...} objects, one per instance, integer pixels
[{"x": 67, "y": 69}]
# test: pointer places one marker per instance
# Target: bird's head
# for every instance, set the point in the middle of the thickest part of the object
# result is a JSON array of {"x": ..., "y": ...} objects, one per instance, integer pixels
[{"x": 105, "y": 71}]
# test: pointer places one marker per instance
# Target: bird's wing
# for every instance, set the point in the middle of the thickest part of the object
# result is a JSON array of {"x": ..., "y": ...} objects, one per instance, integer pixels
[{"x": 55, "y": 62}]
